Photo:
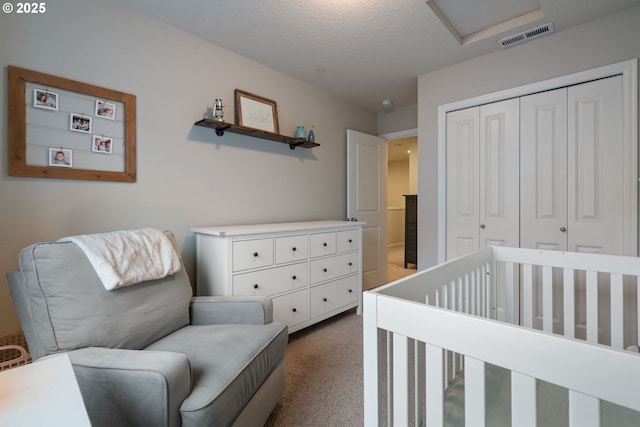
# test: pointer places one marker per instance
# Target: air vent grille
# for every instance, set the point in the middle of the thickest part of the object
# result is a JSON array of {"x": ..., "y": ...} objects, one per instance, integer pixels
[{"x": 524, "y": 36}]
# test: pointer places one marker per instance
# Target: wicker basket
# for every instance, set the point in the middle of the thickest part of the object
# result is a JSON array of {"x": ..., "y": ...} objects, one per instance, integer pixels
[
  {"x": 13, "y": 351},
  {"x": 22, "y": 359}
]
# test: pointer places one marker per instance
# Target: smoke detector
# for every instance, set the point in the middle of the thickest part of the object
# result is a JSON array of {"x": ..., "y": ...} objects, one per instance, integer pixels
[
  {"x": 387, "y": 105},
  {"x": 533, "y": 33}
]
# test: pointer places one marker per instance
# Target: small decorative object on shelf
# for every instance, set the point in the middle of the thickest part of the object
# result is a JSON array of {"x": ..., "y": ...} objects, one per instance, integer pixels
[
  {"x": 301, "y": 133},
  {"x": 311, "y": 137},
  {"x": 218, "y": 112}
]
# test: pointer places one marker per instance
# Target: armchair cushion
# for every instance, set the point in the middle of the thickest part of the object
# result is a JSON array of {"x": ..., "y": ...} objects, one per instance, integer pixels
[
  {"x": 229, "y": 363},
  {"x": 209, "y": 310},
  {"x": 68, "y": 293}
]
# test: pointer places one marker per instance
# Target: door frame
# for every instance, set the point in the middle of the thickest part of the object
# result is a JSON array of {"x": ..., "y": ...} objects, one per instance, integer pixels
[
  {"x": 629, "y": 72},
  {"x": 397, "y": 135}
]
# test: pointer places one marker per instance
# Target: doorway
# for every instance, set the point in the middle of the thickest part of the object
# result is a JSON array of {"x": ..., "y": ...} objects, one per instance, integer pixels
[{"x": 402, "y": 180}]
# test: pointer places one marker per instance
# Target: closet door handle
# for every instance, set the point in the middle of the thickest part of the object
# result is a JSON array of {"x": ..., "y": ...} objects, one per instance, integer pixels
[
  {"x": 482, "y": 226},
  {"x": 563, "y": 229}
]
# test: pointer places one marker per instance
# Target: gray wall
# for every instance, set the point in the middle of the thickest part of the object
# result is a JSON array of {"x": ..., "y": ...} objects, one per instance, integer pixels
[
  {"x": 401, "y": 119},
  {"x": 187, "y": 176},
  {"x": 601, "y": 42}
]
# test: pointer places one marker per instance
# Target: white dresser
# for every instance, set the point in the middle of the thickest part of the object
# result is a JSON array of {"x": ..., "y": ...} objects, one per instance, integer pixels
[{"x": 311, "y": 270}]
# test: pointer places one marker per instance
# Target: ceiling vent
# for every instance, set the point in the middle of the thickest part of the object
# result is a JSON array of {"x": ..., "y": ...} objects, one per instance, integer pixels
[{"x": 524, "y": 36}]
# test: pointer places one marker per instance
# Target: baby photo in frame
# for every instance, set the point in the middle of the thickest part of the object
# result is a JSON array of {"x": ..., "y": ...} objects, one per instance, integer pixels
[
  {"x": 102, "y": 144},
  {"x": 79, "y": 123},
  {"x": 60, "y": 157},
  {"x": 105, "y": 110},
  {"x": 45, "y": 99}
]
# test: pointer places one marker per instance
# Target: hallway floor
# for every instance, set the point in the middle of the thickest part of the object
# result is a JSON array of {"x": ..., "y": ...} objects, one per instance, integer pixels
[{"x": 395, "y": 264}]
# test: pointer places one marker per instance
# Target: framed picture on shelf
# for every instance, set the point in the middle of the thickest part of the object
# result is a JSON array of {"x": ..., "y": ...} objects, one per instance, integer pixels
[{"x": 256, "y": 112}]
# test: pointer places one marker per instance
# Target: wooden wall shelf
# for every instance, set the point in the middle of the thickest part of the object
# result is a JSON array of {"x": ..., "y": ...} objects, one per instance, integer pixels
[{"x": 222, "y": 127}]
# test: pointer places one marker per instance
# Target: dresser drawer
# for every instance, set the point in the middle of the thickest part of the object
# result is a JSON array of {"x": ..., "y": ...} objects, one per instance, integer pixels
[
  {"x": 333, "y": 295},
  {"x": 291, "y": 248},
  {"x": 249, "y": 254},
  {"x": 348, "y": 240},
  {"x": 333, "y": 267},
  {"x": 292, "y": 308},
  {"x": 321, "y": 244},
  {"x": 272, "y": 281}
]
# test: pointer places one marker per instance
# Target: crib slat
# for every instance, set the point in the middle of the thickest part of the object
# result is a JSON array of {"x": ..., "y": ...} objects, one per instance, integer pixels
[
  {"x": 400, "y": 380},
  {"x": 592, "y": 307},
  {"x": 547, "y": 299},
  {"x": 389, "y": 377},
  {"x": 568, "y": 297},
  {"x": 488, "y": 292},
  {"x": 523, "y": 400},
  {"x": 509, "y": 293},
  {"x": 584, "y": 411},
  {"x": 527, "y": 295},
  {"x": 617, "y": 311},
  {"x": 638, "y": 306},
  {"x": 434, "y": 372},
  {"x": 474, "y": 392}
]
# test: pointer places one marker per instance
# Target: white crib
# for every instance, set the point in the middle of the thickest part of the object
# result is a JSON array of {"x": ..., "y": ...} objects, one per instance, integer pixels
[{"x": 506, "y": 336}]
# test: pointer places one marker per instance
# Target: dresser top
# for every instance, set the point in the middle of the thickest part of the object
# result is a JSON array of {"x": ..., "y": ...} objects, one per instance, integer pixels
[{"x": 234, "y": 230}]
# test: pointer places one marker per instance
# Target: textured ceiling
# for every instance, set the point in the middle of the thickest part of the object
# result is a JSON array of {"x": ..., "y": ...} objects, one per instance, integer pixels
[{"x": 363, "y": 51}]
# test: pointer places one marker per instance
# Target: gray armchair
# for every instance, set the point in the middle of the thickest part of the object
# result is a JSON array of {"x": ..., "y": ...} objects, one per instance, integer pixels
[{"x": 150, "y": 354}]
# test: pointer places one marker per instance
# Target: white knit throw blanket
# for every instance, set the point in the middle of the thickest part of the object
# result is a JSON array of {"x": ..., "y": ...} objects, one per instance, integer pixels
[{"x": 123, "y": 258}]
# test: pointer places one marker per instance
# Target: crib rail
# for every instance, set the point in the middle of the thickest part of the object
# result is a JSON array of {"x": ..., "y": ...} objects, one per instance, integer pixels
[{"x": 446, "y": 316}]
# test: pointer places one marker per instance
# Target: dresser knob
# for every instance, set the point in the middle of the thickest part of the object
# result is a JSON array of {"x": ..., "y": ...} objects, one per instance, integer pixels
[
  {"x": 294, "y": 309},
  {"x": 350, "y": 264},
  {"x": 294, "y": 249},
  {"x": 294, "y": 277},
  {"x": 255, "y": 286},
  {"x": 350, "y": 240},
  {"x": 324, "y": 299},
  {"x": 255, "y": 254},
  {"x": 324, "y": 269},
  {"x": 350, "y": 290},
  {"x": 324, "y": 244}
]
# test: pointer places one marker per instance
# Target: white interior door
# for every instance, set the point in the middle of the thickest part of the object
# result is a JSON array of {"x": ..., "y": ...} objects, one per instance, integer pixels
[
  {"x": 596, "y": 172},
  {"x": 463, "y": 182},
  {"x": 483, "y": 205},
  {"x": 543, "y": 188},
  {"x": 543, "y": 170},
  {"x": 367, "y": 201},
  {"x": 500, "y": 174}
]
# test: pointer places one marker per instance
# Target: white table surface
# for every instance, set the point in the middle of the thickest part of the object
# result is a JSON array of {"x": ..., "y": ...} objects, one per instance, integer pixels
[{"x": 43, "y": 393}]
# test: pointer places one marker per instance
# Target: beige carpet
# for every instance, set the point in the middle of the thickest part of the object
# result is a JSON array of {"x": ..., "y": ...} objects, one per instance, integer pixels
[
  {"x": 395, "y": 264},
  {"x": 323, "y": 375},
  {"x": 324, "y": 368}
]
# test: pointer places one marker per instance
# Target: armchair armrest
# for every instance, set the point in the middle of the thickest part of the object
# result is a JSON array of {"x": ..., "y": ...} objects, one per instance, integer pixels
[
  {"x": 132, "y": 387},
  {"x": 208, "y": 310}
]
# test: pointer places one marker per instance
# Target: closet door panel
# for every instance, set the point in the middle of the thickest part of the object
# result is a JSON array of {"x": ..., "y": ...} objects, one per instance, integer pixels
[
  {"x": 462, "y": 182},
  {"x": 543, "y": 170},
  {"x": 499, "y": 174},
  {"x": 595, "y": 172}
]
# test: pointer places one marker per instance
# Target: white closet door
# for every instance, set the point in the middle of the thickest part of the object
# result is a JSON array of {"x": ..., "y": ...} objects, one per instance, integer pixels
[
  {"x": 499, "y": 174},
  {"x": 543, "y": 170},
  {"x": 595, "y": 168},
  {"x": 463, "y": 182}
]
